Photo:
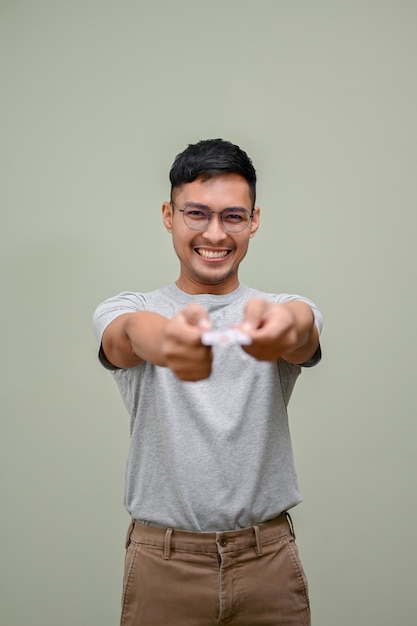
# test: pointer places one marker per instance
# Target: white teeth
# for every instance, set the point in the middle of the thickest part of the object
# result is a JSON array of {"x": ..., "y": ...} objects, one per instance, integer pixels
[{"x": 211, "y": 254}]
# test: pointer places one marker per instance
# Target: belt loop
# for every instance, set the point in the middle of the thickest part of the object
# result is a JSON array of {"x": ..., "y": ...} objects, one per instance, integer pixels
[
  {"x": 258, "y": 540},
  {"x": 167, "y": 544},
  {"x": 290, "y": 524}
]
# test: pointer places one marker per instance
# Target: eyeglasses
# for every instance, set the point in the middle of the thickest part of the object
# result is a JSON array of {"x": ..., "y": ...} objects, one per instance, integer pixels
[{"x": 198, "y": 217}]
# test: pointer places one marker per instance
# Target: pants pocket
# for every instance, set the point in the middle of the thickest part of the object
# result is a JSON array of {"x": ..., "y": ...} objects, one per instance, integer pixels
[
  {"x": 298, "y": 568},
  {"x": 128, "y": 577}
]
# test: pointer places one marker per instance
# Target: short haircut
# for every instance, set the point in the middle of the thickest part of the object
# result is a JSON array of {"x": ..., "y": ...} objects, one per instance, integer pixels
[{"x": 209, "y": 158}]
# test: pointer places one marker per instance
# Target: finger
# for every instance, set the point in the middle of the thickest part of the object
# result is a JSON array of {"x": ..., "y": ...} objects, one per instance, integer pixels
[
  {"x": 254, "y": 314},
  {"x": 197, "y": 315}
]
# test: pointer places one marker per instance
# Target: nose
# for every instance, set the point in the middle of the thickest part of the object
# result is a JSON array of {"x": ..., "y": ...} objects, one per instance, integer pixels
[{"x": 215, "y": 231}]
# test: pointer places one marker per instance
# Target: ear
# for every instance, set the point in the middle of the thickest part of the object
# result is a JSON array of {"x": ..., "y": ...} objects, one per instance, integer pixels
[
  {"x": 167, "y": 215},
  {"x": 254, "y": 225}
]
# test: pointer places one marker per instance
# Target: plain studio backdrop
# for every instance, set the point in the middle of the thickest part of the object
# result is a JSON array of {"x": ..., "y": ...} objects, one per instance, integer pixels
[{"x": 97, "y": 99}]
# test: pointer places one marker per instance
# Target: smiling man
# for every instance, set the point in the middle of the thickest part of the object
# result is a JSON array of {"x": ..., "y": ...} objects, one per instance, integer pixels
[{"x": 206, "y": 367}]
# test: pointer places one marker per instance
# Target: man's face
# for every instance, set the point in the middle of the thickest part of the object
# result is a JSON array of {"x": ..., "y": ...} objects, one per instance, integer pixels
[{"x": 210, "y": 258}]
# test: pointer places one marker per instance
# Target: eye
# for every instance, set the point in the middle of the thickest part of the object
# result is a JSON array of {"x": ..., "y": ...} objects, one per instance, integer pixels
[
  {"x": 234, "y": 216},
  {"x": 196, "y": 213}
]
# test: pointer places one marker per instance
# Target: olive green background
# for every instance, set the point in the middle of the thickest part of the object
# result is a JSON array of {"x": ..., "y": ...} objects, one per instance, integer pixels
[{"x": 97, "y": 99}]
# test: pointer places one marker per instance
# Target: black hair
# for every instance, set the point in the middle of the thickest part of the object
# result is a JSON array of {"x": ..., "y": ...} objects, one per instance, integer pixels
[{"x": 209, "y": 158}]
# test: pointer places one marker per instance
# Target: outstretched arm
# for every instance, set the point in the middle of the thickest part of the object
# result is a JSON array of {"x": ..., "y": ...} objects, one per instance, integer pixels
[
  {"x": 285, "y": 331},
  {"x": 175, "y": 343}
]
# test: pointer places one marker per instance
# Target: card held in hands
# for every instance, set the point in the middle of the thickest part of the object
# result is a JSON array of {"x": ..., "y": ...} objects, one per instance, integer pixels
[{"x": 225, "y": 335}]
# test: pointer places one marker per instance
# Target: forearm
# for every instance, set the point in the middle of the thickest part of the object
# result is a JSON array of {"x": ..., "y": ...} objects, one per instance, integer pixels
[
  {"x": 133, "y": 338},
  {"x": 145, "y": 332},
  {"x": 302, "y": 336}
]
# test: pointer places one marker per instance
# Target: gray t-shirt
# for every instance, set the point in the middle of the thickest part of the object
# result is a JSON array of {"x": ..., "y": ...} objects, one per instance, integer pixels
[{"x": 214, "y": 454}]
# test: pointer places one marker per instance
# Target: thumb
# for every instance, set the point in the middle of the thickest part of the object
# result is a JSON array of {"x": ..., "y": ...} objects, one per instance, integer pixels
[
  {"x": 254, "y": 313},
  {"x": 197, "y": 315}
]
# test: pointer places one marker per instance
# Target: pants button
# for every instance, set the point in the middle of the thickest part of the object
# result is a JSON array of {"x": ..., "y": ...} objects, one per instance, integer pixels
[{"x": 223, "y": 542}]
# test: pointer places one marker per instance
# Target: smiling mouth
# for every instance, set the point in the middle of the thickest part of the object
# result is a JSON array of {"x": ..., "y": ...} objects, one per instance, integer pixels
[{"x": 212, "y": 254}]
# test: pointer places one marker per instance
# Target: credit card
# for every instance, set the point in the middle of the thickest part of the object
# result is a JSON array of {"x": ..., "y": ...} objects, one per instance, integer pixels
[{"x": 225, "y": 335}]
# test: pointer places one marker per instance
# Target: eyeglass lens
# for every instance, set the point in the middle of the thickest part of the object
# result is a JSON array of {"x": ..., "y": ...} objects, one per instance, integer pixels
[{"x": 233, "y": 219}]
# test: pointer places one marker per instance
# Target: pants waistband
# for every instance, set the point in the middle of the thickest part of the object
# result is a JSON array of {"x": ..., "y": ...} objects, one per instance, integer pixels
[{"x": 169, "y": 539}]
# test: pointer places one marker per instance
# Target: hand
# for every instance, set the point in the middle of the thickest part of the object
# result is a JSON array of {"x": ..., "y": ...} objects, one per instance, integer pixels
[
  {"x": 184, "y": 353},
  {"x": 278, "y": 330}
]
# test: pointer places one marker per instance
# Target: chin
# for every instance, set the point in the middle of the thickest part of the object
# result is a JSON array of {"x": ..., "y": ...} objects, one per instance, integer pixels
[{"x": 219, "y": 279}]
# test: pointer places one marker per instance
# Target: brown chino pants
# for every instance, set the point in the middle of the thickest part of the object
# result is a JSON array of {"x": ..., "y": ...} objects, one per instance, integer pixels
[{"x": 250, "y": 577}]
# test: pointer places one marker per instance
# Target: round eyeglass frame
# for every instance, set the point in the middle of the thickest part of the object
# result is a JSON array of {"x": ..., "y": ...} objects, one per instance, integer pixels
[{"x": 219, "y": 213}]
